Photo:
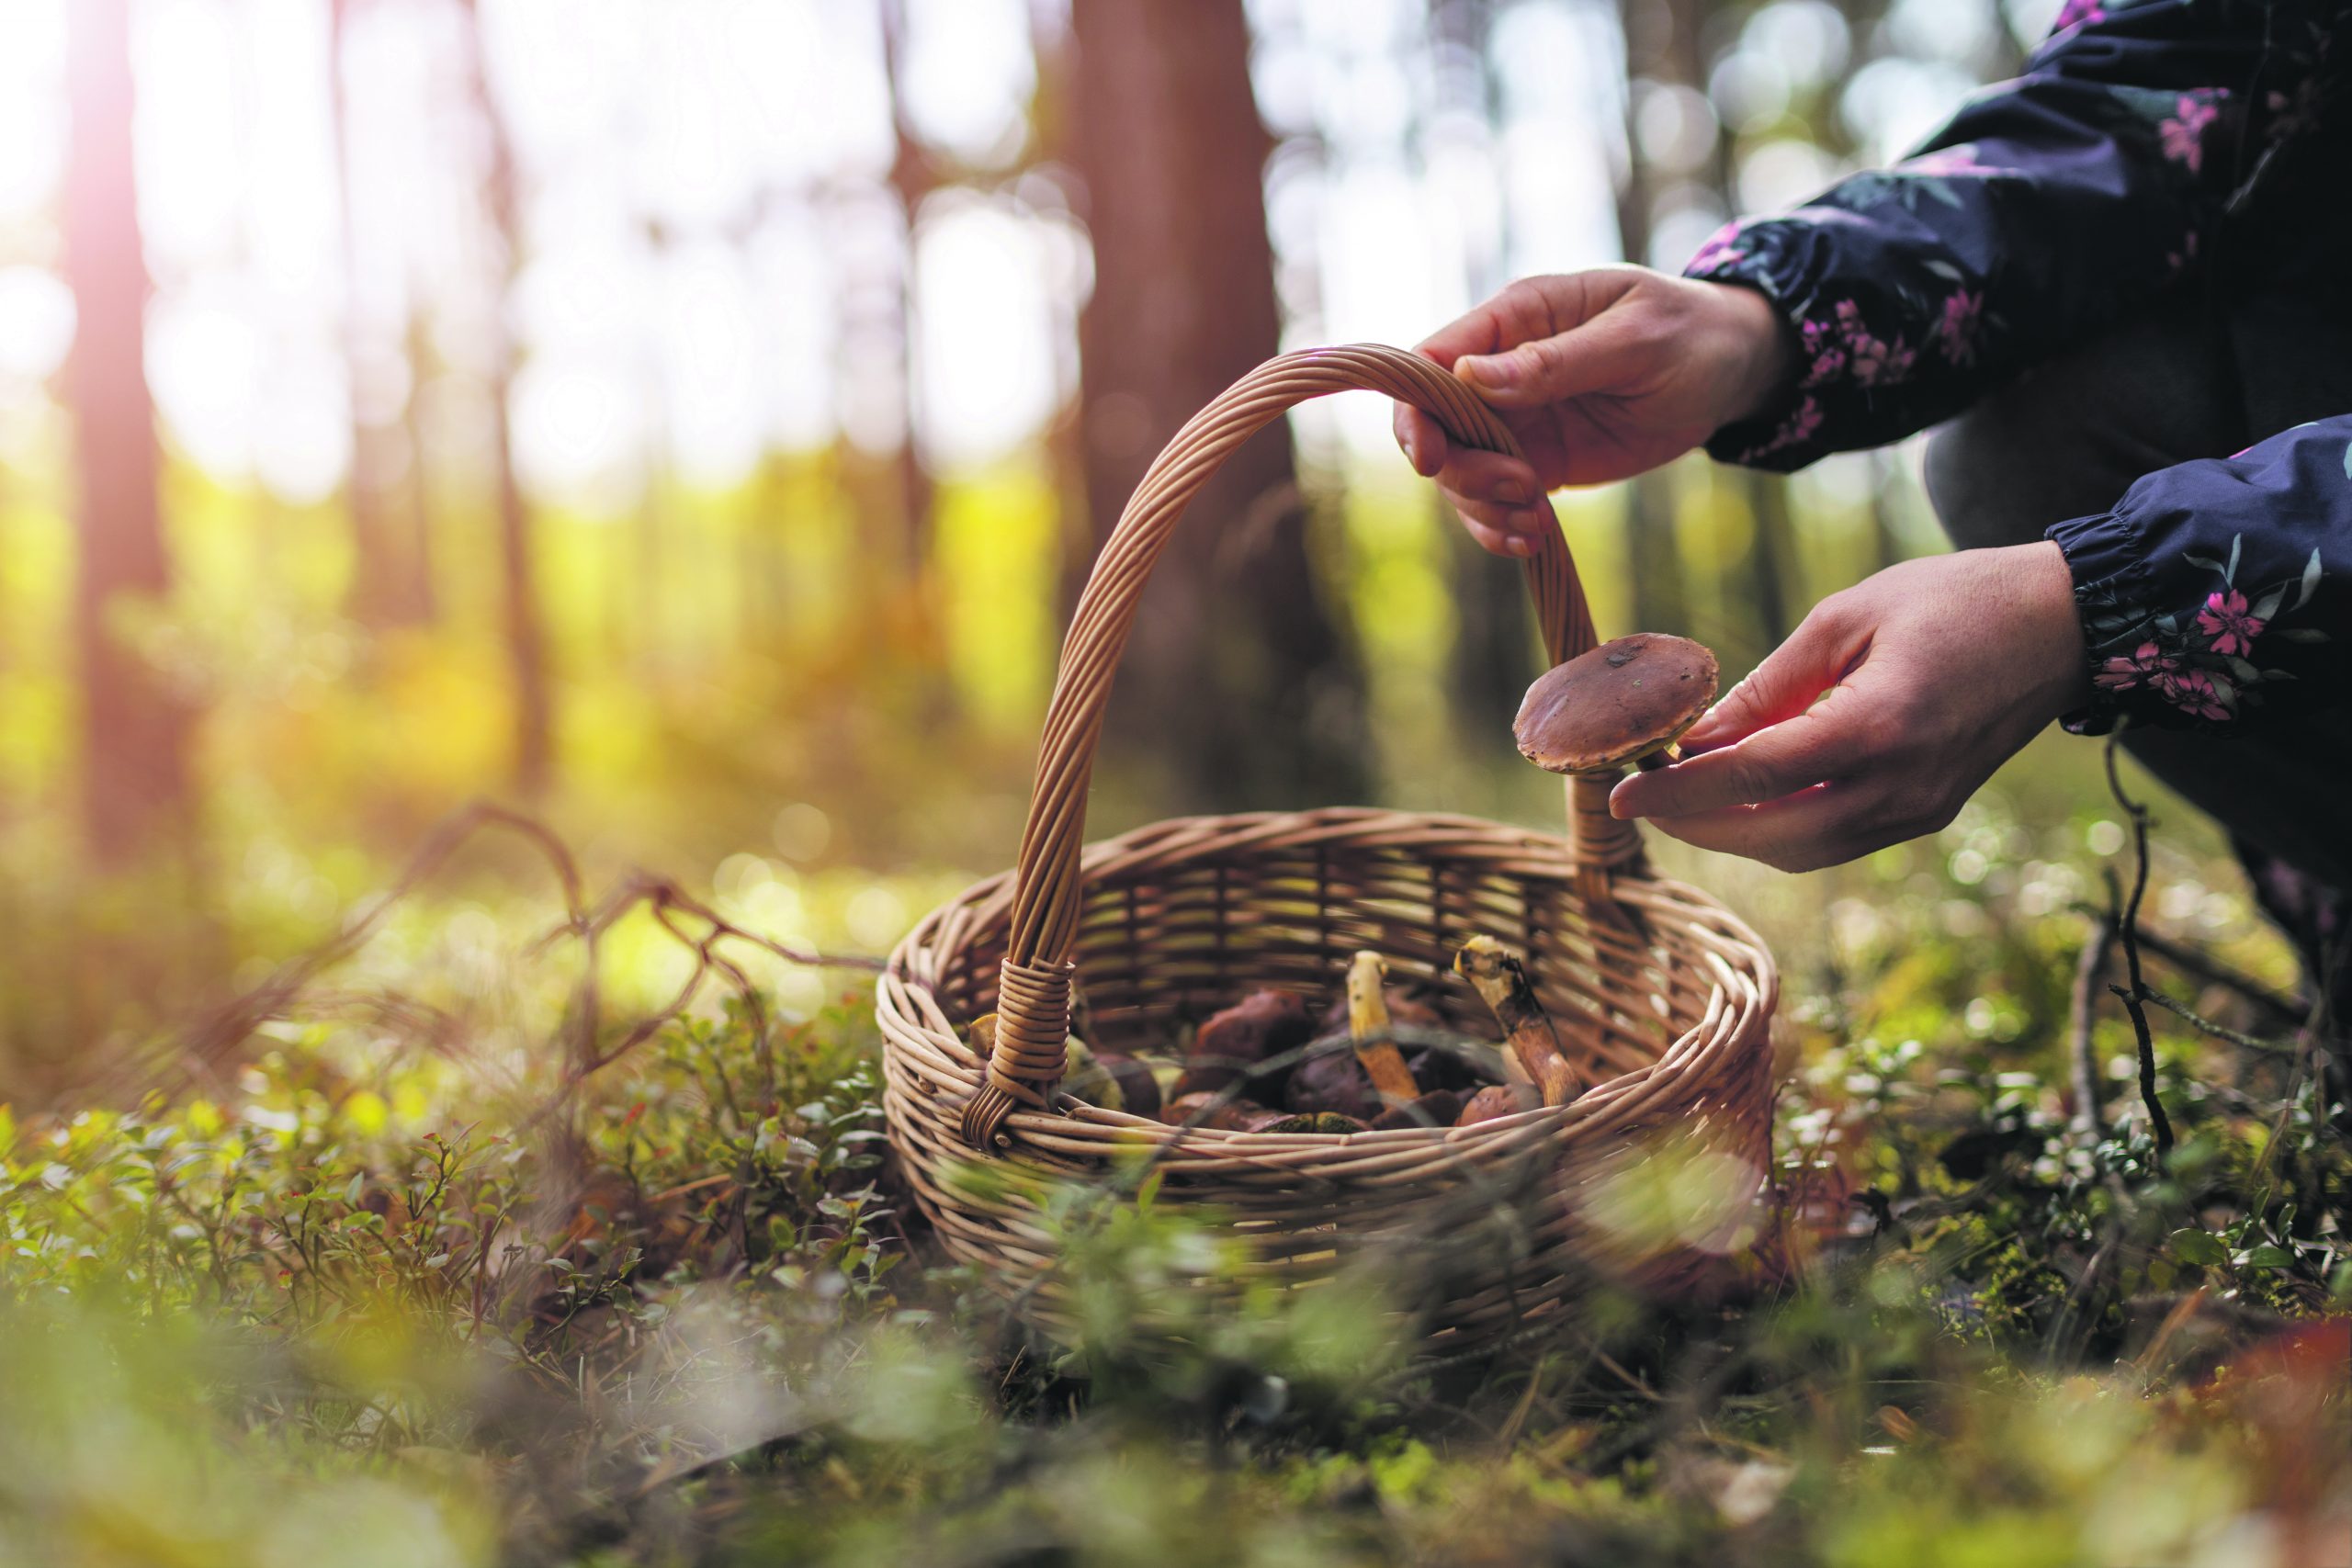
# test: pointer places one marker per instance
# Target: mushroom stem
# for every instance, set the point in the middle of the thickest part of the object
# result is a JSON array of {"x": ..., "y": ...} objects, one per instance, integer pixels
[
  {"x": 1368, "y": 1030},
  {"x": 1500, "y": 980}
]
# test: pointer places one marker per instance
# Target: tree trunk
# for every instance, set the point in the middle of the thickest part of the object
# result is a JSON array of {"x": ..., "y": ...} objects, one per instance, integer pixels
[
  {"x": 135, "y": 733},
  {"x": 1653, "y": 556},
  {"x": 913, "y": 178},
  {"x": 1772, "y": 551},
  {"x": 526, "y": 636},
  {"x": 1238, "y": 688},
  {"x": 1652, "y": 551},
  {"x": 386, "y": 585},
  {"x": 1495, "y": 653},
  {"x": 419, "y": 348}
]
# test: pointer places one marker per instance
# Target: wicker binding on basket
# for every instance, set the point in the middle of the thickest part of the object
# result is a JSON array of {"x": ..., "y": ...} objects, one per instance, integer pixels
[{"x": 1662, "y": 996}]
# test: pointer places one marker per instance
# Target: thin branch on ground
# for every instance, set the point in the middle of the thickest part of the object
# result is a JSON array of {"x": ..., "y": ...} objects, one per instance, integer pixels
[
  {"x": 2090, "y": 973},
  {"x": 2218, "y": 1030},
  {"x": 2128, "y": 930},
  {"x": 2206, "y": 970},
  {"x": 205, "y": 1048}
]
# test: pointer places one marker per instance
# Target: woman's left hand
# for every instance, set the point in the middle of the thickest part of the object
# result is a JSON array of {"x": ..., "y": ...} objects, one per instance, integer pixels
[{"x": 1883, "y": 712}]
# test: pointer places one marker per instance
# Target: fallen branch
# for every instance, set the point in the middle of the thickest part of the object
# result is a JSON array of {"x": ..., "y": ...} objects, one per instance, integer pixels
[
  {"x": 2128, "y": 930},
  {"x": 2250, "y": 1041},
  {"x": 198, "y": 1055},
  {"x": 2089, "y": 973},
  {"x": 2204, "y": 968}
]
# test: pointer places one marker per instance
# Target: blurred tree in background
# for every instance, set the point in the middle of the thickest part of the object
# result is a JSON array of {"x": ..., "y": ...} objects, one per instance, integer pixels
[
  {"x": 134, "y": 783},
  {"x": 679, "y": 414},
  {"x": 1237, "y": 645}
]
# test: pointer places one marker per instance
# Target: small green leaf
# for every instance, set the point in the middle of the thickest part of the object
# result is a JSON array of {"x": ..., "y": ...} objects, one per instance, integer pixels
[
  {"x": 2199, "y": 1246},
  {"x": 2267, "y": 1255},
  {"x": 2310, "y": 584}
]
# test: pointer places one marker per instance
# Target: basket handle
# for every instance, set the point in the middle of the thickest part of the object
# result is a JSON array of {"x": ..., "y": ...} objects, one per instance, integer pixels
[{"x": 1033, "y": 1002}]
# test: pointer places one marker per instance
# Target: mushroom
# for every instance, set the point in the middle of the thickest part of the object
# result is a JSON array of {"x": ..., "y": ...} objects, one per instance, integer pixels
[
  {"x": 1438, "y": 1067},
  {"x": 1405, "y": 1009},
  {"x": 1334, "y": 1081},
  {"x": 1497, "y": 974},
  {"x": 1084, "y": 1077},
  {"x": 1497, "y": 1100},
  {"x": 1214, "y": 1111},
  {"x": 1368, "y": 1031},
  {"x": 1626, "y": 700},
  {"x": 1438, "y": 1107},
  {"x": 1109, "y": 1080},
  {"x": 1231, "y": 1044},
  {"x": 1139, "y": 1089}
]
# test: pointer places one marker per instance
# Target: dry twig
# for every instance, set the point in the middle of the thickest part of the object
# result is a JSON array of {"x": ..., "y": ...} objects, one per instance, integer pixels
[{"x": 2128, "y": 930}]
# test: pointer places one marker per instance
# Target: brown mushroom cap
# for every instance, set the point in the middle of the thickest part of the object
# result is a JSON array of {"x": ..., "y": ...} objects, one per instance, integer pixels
[{"x": 1618, "y": 703}]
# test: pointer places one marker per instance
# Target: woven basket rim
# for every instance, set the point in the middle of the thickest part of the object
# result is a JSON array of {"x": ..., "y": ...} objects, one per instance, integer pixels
[{"x": 984, "y": 906}]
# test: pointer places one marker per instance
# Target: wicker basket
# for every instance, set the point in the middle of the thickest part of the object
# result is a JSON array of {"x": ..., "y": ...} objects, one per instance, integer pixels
[{"x": 1663, "y": 996}]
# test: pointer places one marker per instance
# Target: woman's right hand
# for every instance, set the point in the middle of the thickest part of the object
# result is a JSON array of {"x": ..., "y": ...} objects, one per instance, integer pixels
[{"x": 1601, "y": 374}]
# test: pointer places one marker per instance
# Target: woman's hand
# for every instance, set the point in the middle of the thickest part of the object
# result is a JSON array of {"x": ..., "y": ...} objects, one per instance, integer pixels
[
  {"x": 1936, "y": 670},
  {"x": 1601, "y": 374}
]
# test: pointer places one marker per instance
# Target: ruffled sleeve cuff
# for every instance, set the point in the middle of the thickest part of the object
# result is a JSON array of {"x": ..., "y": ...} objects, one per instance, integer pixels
[
  {"x": 2112, "y": 586},
  {"x": 2178, "y": 638},
  {"x": 1867, "y": 372},
  {"x": 1787, "y": 437}
]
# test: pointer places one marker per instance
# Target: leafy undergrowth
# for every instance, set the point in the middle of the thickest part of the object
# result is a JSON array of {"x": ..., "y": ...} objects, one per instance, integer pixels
[{"x": 417, "y": 1287}]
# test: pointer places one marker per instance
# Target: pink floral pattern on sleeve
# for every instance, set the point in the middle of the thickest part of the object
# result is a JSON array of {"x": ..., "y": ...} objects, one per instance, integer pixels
[
  {"x": 2204, "y": 666},
  {"x": 2229, "y": 627},
  {"x": 2216, "y": 594},
  {"x": 2047, "y": 208},
  {"x": 2183, "y": 136}
]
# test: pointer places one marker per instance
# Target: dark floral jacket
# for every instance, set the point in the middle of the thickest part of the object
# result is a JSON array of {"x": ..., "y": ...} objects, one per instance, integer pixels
[{"x": 2141, "y": 137}]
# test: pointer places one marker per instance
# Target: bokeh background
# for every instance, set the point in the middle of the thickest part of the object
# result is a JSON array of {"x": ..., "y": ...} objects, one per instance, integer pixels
[
  {"x": 691, "y": 421},
  {"x": 687, "y": 423}
]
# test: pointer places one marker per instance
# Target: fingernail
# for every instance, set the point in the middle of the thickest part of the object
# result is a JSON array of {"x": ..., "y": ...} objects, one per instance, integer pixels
[
  {"x": 1617, "y": 802},
  {"x": 1510, "y": 492},
  {"x": 1413, "y": 452},
  {"x": 1708, "y": 725},
  {"x": 1520, "y": 546}
]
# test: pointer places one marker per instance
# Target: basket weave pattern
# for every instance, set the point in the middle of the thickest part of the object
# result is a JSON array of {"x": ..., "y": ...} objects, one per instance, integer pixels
[{"x": 1661, "y": 998}]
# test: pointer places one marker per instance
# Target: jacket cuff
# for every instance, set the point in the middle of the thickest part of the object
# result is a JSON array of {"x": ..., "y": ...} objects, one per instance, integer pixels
[
  {"x": 2144, "y": 669},
  {"x": 1786, "y": 437},
  {"x": 2109, "y": 559}
]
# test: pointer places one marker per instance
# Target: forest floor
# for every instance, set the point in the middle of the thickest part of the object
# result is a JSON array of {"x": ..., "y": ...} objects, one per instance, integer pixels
[{"x": 473, "y": 1262}]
